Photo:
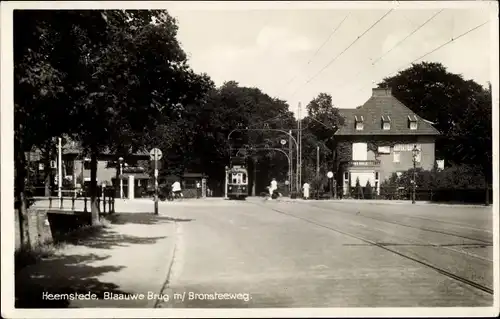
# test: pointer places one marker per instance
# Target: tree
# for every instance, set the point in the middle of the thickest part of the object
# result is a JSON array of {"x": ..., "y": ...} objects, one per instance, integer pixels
[
  {"x": 321, "y": 123},
  {"x": 230, "y": 107},
  {"x": 40, "y": 95},
  {"x": 460, "y": 109},
  {"x": 104, "y": 73},
  {"x": 359, "y": 189},
  {"x": 368, "y": 192}
]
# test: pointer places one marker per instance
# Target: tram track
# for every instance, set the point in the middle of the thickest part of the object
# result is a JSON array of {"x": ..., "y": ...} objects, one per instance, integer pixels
[
  {"x": 438, "y": 269},
  {"x": 488, "y": 243}
]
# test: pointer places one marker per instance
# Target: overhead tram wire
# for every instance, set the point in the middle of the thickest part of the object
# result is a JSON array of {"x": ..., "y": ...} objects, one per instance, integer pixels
[
  {"x": 395, "y": 46},
  {"x": 432, "y": 51},
  {"x": 318, "y": 50},
  {"x": 345, "y": 50}
]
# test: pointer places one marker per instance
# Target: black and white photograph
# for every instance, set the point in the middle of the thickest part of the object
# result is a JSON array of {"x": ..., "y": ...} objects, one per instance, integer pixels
[{"x": 249, "y": 159}]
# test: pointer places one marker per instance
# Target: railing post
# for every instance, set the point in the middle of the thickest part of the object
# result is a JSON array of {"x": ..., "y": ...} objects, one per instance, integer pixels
[
  {"x": 104, "y": 204},
  {"x": 73, "y": 203},
  {"x": 50, "y": 202},
  {"x": 61, "y": 205},
  {"x": 110, "y": 199},
  {"x": 98, "y": 200},
  {"x": 85, "y": 203},
  {"x": 113, "y": 209}
]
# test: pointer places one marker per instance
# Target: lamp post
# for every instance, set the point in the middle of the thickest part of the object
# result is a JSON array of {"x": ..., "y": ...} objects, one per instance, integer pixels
[
  {"x": 414, "y": 153},
  {"x": 121, "y": 177}
]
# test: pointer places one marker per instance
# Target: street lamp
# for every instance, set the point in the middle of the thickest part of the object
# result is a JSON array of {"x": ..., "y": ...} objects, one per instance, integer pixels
[
  {"x": 121, "y": 177},
  {"x": 414, "y": 153}
]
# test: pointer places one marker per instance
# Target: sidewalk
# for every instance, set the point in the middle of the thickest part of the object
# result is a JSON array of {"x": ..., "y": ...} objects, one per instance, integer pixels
[{"x": 132, "y": 256}]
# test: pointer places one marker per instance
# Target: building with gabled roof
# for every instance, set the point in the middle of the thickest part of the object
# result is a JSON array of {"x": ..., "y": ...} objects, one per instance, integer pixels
[{"x": 382, "y": 134}]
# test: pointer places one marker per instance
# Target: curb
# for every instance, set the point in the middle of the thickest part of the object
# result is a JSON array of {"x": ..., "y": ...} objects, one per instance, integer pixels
[{"x": 168, "y": 272}]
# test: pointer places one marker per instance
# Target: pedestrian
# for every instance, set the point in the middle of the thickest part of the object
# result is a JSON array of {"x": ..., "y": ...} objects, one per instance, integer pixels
[
  {"x": 176, "y": 189},
  {"x": 305, "y": 189},
  {"x": 198, "y": 189},
  {"x": 274, "y": 185}
]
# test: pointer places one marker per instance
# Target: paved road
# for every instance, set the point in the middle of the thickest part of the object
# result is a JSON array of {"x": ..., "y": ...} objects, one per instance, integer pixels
[{"x": 325, "y": 254}]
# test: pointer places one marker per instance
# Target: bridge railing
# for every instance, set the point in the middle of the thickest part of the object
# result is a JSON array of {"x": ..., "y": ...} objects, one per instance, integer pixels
[{"x": 105, "y": 203}]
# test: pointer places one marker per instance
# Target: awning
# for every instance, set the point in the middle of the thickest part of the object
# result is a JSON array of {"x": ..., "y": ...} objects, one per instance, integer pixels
[{"x": 136, "y": 176}]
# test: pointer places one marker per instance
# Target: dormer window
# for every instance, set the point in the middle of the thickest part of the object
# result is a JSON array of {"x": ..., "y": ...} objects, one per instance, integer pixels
[
  {"x": 412, "y": 122},
  {"x": 386, "y": 123},
  {"x": 358, "y": 121}
]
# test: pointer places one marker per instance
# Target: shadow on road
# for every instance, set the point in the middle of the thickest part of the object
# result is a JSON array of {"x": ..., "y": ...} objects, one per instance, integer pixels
[
  {"x": 144, "y": 218},
  {"x": 62, "y": 275}
]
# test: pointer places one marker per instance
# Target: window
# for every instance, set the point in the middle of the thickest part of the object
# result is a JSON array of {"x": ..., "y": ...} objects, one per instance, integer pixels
[
  {"x": 396, "y": 157},
  {"x": 346, "y": 176},
  {"x": 412, "y": 122},
  {"x": 376, "y": 175},
  {"x": 359, "y": 151},
  {"x": 384, "y": 150},
  {"x": 358, "y": 122},
  {"x": 406, "y": 147},
  {"x": 244, "y": 178},
  {"x": 86, "y": 164},
  {"x": 386, "y": 123}
]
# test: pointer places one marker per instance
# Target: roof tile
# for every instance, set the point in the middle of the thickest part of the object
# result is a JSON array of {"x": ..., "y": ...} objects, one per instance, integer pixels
[{"x": 372, "y": 112}]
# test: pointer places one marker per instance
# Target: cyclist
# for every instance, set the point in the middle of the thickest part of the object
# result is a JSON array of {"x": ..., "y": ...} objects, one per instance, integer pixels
[{"x": 176, "y": 189}]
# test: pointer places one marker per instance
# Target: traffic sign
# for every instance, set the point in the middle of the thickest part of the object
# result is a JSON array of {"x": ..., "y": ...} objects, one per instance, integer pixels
[
  {"x": 329, "y": 174},
  {"x": 283, "y": 142},
  {"x": 155, "y": 154}
]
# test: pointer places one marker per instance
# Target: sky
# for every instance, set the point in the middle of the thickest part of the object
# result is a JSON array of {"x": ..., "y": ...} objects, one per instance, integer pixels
[{"x": 294, "y": 53}]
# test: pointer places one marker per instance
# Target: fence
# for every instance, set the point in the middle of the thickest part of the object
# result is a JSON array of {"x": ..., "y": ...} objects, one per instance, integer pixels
[{"x": 472, "y": 195}]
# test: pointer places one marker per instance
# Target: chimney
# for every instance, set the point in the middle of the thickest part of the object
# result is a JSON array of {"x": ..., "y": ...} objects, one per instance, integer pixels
[{"x": 381, "y": 92}]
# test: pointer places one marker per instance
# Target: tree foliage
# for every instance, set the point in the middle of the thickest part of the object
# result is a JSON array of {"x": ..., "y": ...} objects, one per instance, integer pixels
[{"x": 103, "y": 77}]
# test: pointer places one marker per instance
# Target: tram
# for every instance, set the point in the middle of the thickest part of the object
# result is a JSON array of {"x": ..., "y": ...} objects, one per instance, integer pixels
[{"x": 237, "y": 179}]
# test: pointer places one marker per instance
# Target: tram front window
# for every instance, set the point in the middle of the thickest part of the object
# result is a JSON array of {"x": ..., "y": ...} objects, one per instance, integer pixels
[{"x": 244, "y": 180}]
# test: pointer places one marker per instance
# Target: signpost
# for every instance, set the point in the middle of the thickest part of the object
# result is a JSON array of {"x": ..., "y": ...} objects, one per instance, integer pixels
[
  {"x": 330, "y": 176},
  {"x": 155, "y": 156}
]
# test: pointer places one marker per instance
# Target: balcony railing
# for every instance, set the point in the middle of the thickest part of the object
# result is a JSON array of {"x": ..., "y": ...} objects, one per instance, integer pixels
[{"x": 363, "y": 163}]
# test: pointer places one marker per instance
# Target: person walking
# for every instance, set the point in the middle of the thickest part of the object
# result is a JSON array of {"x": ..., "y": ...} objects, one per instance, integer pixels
[
  {"x": 305, "y": 189},
  {"x": 274, "y": 187},
  {"x": 198, "y": 189}
]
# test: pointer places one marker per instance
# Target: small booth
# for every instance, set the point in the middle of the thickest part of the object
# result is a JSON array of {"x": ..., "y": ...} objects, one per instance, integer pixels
[{"x": 133, "y": 176}]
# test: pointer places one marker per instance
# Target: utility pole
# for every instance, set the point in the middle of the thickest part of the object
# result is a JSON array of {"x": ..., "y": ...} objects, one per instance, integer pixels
[
  {"x": 59, "y": 170},
  {"x": 297, "y": 183},
  {"x": 290, "y": 167},
  {"x": 415, "y": 150},
  {"x": 317, "y": 161},
  {"x": 300, "y": 144}
]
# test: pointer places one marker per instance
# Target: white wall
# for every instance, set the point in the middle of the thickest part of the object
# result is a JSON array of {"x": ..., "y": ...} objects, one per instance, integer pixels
[{"x": 359, "y": 151}]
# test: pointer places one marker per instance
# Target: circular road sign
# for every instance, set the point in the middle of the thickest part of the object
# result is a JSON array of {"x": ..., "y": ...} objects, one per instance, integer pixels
[
  {"x": 329, "y": 174},
  {"x": 283, "y": 142},
  {"x": 155, "y": 154},
  {"x": 287, "y": 182}
]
